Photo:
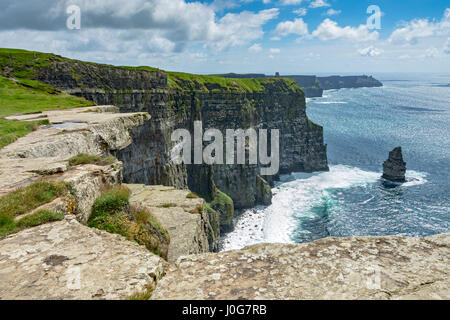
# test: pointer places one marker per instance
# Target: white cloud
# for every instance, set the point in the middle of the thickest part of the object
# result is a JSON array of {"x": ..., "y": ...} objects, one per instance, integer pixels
[
  {"x": 319, "y": 4},
  {"x": 329, "y": 30},
  {"x": 432, "y": 53},
  {"x": 238, "y": 29},
  {"x": 447, "y": 46},
  {"x": 370, "y": 51},
  {"x": 332, "y": 12},
  {"x": 274, "y": 50},
  {"x": 298, "y": 27},
  {"x": 255, "y": 48},
  {"x": 412, "y": 31},
  {"x": 173, "y": 25},
  {"x": 301, "y": 12},
  {"x": 290, "y": 2},
  {"x": 275, "y": 38}
]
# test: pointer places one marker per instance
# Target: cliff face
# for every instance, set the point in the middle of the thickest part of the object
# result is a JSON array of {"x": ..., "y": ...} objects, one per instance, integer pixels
[
  {"x": 314, "y": 86},
  {"x": 176, "y": 101},
  {"x": 338, "y": 82},
  {"x": 309, "y": 84}
]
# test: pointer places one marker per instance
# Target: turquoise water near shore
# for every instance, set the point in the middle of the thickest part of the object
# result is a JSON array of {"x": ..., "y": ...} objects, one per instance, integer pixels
[{"x": 361, "y": 126}]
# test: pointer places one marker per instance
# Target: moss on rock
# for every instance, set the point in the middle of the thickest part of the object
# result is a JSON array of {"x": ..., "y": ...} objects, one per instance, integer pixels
[
  {"x": 224, "y": 205},
  {"x": 113, "y": 213}
]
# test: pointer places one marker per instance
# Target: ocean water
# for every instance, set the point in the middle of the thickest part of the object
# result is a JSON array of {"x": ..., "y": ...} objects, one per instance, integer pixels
[{"x": 361, "y": 126}]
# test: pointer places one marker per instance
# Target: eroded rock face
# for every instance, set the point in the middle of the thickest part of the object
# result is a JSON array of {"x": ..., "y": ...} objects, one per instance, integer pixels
[
  {"x": 394, "y": 168},
  {"x": 191, "y": 228},
  {"x": 66, "y": 260},
  {"x": 147, "y": 159},
  {"x": 44, "y": 154},
  {"x": 332, "y": 268}
]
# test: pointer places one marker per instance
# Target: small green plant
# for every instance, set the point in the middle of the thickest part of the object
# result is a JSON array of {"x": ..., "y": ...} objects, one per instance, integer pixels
[
  {"x": 9, "y": 226},
  {"x": 192, "y": 195},
  {"x": 144, "y": 295},
  {"x": 25, "y": 199},
  {"x": 169, "y": 205},
  {"x": 84, "y": 158},
  {"x": 11, "y": 130},
  {"x": 113, "y": 213},
  {"x": 38, "y": 218}
]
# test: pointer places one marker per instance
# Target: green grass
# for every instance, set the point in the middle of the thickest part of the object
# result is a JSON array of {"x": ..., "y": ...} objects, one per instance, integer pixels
[
  {"x": 25, "y": 63},
  {"x": 186, "y": 81},
  {"x": 169, "y": 205},
  {"x": 84, "y": 158},
  {"x": 192, "y": 195},
  {"x": 25, "y": 199},
  {"x": 15, "y": 98},
  {"x": 112, "y": 212},
  {"x": 9, "y": 226},
  {"x": 144, "y": 295},
  {"x": 28, "y": 97},
  {"x": 11, "y": 130},
  {"x": 38, "y": 218}
]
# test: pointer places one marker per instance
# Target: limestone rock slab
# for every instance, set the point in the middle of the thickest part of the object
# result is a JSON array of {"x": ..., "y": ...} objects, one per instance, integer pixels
[
  {"x": 332, "y": 268},
  {"x": 66, "y": 260}
]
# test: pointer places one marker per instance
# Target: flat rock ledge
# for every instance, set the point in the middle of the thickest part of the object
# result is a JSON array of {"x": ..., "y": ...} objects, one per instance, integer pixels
[
  {"x": 188, "y": 227},
  {"x": 332, "y": 268},
  {"x": 66, "y": 260}
]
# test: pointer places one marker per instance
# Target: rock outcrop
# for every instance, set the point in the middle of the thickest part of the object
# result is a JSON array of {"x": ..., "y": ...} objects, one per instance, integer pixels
[
  {"x": 394, "y": 168},
  {"x": 332, "y": 268},
  {"x": 67, "y": 260},
  {"x": 191, "y": 227},
  {"x": 44, "y": 153}
]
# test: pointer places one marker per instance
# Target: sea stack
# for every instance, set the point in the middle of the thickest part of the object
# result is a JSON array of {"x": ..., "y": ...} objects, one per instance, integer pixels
[{"x": 394, "y": 168}]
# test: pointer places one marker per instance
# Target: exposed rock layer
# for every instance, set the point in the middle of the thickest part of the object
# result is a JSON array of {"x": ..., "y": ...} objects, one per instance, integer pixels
[
  {"x": 192, "y": 230},
  {"x": 394, "y": 168},
  {"x": 332, "y": 268},
  {"x": 276, "y": 106},
  {"x": 66, "y": 260}
]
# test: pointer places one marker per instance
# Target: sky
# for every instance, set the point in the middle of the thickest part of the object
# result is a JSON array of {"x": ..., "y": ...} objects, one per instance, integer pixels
[{"x": 242, "y": 36}]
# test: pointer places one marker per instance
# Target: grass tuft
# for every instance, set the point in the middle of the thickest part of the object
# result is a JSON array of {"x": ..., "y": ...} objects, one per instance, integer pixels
[
  {"x": 11, "y": 130},
  {"x": 25, "y": 199},
  {"x": 113, "y": 213},
  {"x": 192, "y": 195},
  {"x": 169, "y": 205},
  {"x": 144, "y": 295},
  {"x": 84, "y": 158},
  {"x": 38, "y": 218}
]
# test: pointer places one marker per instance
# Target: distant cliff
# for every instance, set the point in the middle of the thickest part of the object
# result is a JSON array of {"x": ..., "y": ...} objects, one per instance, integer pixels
[
  {"x": 338, "y": 82},
  {"x": 309, "y": 84},
  {"x": 314, "y": 86},
  {"x": 176, "y": 100}
]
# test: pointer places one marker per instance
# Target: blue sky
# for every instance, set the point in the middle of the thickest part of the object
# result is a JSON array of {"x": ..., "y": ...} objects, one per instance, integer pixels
[{"x": 215, "y": 36}]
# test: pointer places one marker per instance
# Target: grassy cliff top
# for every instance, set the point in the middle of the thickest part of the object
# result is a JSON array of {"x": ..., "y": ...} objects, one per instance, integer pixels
[
  {"x": 187, "y": 81},
  {"x": 23, "y": 64}
]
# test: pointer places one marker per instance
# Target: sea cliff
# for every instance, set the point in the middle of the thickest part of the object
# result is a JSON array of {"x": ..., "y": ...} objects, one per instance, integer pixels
[
  {"x": 314, "y": 86},
  {"x": 176, "y": 100}
]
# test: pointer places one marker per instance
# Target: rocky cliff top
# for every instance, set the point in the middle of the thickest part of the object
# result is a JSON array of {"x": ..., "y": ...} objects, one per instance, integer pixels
[{"x": 332, "y": 268}]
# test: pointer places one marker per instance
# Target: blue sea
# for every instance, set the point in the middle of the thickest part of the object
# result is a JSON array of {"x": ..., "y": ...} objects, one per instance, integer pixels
[{"x": 361, "y": 126}]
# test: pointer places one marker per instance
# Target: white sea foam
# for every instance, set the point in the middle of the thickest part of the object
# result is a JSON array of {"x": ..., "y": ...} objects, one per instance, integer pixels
[
  {"x": 330, "y": 102},
  {"x": 295, "y": 199},
  {"x": 276, "y": 222}
]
